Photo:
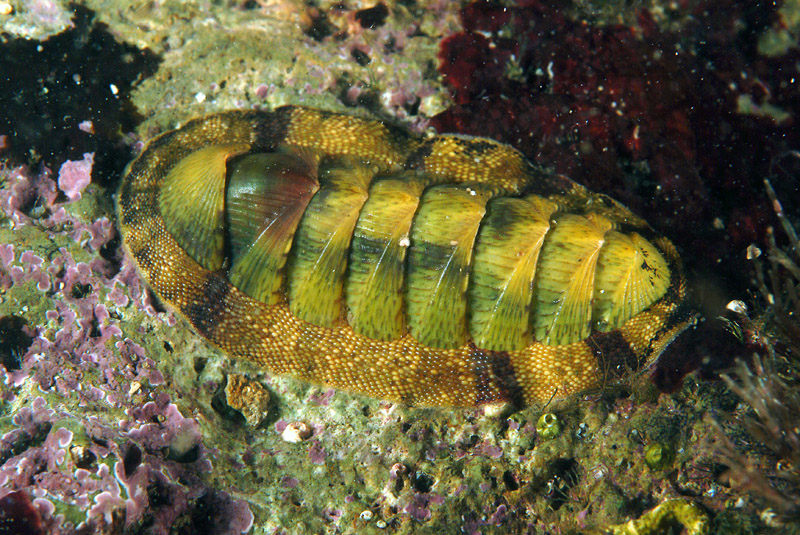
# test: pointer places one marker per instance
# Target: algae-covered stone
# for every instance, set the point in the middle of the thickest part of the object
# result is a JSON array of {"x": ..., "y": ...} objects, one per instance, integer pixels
[
  {"x": 248, "y": 397},
  {"x": 658, "y": 456}
]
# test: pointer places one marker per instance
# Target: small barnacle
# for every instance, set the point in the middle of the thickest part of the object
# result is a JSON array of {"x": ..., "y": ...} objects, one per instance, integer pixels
[
  {"x": 297, "y": 432},
  {"x": 514, "y": 434},
  {"x": 548, "y": 426},
  {"x": 582, "y": 430},
  {"x": 82, "y": 457},
  {"x": 658, "y": 456},
  {"x": 397, "y": 470}
]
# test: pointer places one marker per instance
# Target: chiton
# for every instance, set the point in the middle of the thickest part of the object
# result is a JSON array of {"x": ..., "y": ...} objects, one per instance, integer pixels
[{"x": 443, "y": 270}]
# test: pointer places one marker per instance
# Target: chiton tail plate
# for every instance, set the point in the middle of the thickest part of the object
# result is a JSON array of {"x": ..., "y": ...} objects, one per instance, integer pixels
[{"x": 434, "y": 271}]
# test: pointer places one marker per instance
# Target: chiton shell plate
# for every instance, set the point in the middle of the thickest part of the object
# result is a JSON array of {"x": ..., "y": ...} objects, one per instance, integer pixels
[{"x": 443, "y": 270}]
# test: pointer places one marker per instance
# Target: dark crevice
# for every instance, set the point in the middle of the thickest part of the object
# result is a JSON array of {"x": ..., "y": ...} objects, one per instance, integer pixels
[
  {"x": 564, "y": 475},
  {"x": 372, "y": 17},
  {"x": 59, "y": 83},
  {"x": 319, "y": 26},
  {"x": 422, "y": 482},
  {"x": 132, "y": 460},
  {"x": 111, "y": 253},
  {"x": 14, "y": 342}
]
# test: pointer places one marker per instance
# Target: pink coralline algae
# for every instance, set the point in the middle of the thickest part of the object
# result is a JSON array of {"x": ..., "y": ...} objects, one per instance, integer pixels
[
  {"x": 74, "y": 176},
  {"x": 493, "y": 451},
  {"x": 419, "y": 505},
  {"x": 86, "y": 126},
  {"x": 317, "y": 453},
  {"x": 126, "y": 480},
  {"x": 25, "y": 193},
  {"x": 30, "y": 199},
  {"x": 127, "y": 457}
]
